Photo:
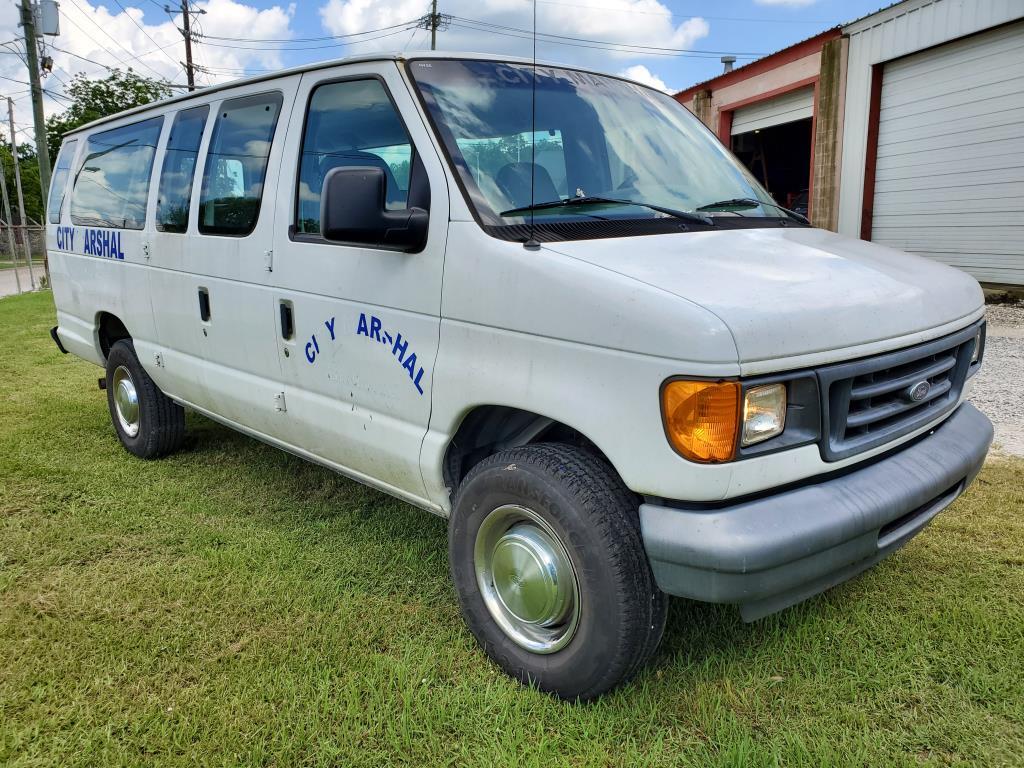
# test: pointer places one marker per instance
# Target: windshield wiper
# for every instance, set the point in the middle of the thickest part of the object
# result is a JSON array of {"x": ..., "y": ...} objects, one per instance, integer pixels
[
  {"x": 749, "y": 202},
  {"x": 597, "y": 200}
]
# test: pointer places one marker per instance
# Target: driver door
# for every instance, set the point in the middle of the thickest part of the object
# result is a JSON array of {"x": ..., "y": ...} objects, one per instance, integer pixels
[{"x": 358, "y": 326}]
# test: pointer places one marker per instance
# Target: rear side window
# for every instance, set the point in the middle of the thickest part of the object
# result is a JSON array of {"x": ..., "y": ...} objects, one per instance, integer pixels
[
  {"x": 59, "y": 181},
  {"x": 351, "y": 123},
  {"x": 112, "y": 185},
  {"x": 179, "y": 169},
  {"x": 236, "y": 164}
]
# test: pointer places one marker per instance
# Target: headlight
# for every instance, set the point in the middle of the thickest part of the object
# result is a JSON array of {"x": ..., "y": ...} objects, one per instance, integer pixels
[
  {"x": 701, "y": 418},
  {"x": 764, "y": 413},
  {"x": 976, "y": 353}
]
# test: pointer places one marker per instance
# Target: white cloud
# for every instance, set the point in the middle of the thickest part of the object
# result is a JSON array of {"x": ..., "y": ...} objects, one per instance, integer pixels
[
  {"x": 642, "y": 74},
  {"x": 646, "y": 22},
  {"x": 787, "y": 3}
]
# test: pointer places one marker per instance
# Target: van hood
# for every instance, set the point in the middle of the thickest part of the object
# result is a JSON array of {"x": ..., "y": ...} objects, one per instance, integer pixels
[{"x": 788, "y": 292}]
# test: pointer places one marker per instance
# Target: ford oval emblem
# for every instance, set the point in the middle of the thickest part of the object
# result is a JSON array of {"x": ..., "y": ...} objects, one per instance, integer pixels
[{"x": 918, "y": 392}]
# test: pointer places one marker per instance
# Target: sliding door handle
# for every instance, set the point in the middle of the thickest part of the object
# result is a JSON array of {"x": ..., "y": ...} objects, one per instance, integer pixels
[{"x": 204, "y": 305}]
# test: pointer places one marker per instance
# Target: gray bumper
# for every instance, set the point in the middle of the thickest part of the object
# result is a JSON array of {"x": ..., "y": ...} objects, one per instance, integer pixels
[{"x": 771, "y": 552}]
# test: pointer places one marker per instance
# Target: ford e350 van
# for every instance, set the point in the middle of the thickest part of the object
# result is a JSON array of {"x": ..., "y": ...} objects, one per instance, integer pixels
[{"x": 581, "y": 332}]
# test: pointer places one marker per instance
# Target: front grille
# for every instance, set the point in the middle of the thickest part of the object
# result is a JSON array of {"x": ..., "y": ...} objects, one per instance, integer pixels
[{"x": 872, "y": 401}]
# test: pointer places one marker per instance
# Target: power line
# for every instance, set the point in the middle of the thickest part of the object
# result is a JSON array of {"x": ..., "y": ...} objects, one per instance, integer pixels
[
  {"x": 319, "y": 47},
  {"x": 106, "y": 66},
  {"x": 113, "y": 40},
  {"x": 598, "y": 45},
  {"x": 143, "y": 31},
  {"x": 198, "y": 27},
  {"x": 404, "y": 25},
  {"x": 19, "y": 82},
  {"x": 605, "y": 42},
  {"x": 668, "y": 14}
]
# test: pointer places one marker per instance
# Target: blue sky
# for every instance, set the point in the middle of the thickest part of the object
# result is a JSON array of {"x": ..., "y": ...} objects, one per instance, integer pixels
[{"x": 98, "y": 34}]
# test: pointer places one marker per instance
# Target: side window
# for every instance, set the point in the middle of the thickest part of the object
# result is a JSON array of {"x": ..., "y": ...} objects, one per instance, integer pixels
[
  {"x": 59, "y": 180},
  {"x": 351, "y": 124},
  {"x": 112, "y": 184},
  {"x": 236, "y": 164},
  {"x": 179, "y": 168}
]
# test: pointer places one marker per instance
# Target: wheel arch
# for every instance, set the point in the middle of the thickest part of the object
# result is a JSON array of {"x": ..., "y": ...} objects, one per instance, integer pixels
[
  {"x": 109, "y": 330},
  {"x": 487, "y": 429}
]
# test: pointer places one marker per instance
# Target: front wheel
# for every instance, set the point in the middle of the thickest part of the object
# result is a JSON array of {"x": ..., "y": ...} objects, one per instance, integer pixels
[{"x": 552, "y": 577}]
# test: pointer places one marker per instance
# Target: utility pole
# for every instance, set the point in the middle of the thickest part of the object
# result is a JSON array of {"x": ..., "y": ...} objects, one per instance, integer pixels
[
  {"x": 433, "y": 26},
  {"x": 434, "y": 21},
  {"x": 10, "y": 229},
  {"x": 186, "y": 22},
  {"x": 21, "y": 197},
  {"x": 186, "y": 32},
  {"x": 28, "y": 23}
]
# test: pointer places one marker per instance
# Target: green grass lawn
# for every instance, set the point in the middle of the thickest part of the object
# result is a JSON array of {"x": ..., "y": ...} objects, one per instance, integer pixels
[{"x": 233, "y": 605}]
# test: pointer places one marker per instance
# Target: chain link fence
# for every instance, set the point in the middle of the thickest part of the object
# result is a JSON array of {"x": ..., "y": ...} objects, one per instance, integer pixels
[{"x": 22, "y": 279}]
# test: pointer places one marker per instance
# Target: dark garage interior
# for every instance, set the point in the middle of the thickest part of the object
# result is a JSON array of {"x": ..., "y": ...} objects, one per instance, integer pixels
[{"x": 780, "y": 158}]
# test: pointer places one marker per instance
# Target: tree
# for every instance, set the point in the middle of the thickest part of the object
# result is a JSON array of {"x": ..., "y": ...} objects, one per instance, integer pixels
[
  {"x": 29, "y": 179},
  {"x": 93, "y": 99}
]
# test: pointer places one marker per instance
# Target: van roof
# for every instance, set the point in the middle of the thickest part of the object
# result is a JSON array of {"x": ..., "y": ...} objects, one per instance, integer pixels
[{"x": 383, "y": 56}]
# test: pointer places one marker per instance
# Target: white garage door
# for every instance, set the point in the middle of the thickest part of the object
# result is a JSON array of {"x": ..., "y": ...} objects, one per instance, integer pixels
[
  {"x": 786, "y": 108},
  {"x": 949, "y": 179}
]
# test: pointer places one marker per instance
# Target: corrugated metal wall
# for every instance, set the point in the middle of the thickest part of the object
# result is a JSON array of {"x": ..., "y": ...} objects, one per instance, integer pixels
[
  {"x": 904, "y": 29},
  {"x": 949, "y": 178}
]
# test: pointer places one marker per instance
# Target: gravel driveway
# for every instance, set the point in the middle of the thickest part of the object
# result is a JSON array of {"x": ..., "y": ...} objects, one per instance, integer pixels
[{"x": 999, "y": 388}]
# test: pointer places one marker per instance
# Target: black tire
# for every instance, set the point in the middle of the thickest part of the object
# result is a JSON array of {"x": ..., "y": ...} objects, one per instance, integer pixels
[
  {"x": 621, "y": 614},
  {"x": 161, "y": 421}
]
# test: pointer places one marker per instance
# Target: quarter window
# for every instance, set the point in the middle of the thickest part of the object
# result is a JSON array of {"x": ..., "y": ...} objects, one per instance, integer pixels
[
  {"x": 112, "y": 185},
  {"x": 351, "y": 124},
  {"x": 236, "y": 164},
  {"x": 179, "y": 168},
  {"x": 59, "y": 182}
]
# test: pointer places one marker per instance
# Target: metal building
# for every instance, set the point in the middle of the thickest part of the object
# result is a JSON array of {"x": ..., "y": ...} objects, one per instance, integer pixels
[
  {"x": 917, "y": 128},
  {"x": 933, "y": 136},
  {"x": 780, "y": 115}
]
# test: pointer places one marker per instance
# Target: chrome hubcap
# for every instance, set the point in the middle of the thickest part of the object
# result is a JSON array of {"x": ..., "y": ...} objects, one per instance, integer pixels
[
  {"x": 126, "y": 401},
  {"x": 527, "y": 579}
]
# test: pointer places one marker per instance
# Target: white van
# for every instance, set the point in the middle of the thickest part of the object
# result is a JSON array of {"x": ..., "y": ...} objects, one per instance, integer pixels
[{"x": 582, "y": 333}]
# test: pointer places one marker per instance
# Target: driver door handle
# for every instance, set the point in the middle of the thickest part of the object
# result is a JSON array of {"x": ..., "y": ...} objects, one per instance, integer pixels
[{"x": 287, "y": 320}]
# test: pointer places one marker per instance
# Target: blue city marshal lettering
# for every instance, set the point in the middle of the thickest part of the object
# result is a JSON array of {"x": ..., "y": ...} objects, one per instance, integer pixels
[
  {"x": 66, "y": 238},
  {"x": 102, "y": 242},
  {"x": 399, "y": 347},
  {"x": 313, "y": 345}
]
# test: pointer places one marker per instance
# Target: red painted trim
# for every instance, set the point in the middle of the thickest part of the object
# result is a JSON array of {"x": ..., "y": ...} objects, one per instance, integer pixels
[
  {"x": 725, "y": 113},
  {"x": 764, "y": 96},
  {"x": 766, "y": 64},
  {"x": 725, "y": 128},
  {"x": 871, "y": 152}
]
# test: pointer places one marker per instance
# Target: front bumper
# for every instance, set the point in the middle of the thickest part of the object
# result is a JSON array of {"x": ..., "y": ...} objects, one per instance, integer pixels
[{"x": 772, "y": 552}]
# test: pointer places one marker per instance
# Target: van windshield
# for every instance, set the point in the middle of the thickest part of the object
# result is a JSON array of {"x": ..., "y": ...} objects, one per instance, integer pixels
[{"x": 600, "y": 150}]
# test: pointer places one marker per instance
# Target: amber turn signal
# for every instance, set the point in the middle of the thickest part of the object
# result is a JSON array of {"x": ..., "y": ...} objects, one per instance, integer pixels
[{"x": 701, "y": 418}]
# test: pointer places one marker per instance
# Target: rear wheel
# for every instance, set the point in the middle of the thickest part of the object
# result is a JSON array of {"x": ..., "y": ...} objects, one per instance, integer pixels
[
  {"x": 148, "y": 423},
  {"x": 553, "y": 580}
]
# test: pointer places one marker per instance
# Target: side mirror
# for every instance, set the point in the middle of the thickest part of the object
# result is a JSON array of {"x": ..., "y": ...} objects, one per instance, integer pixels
[{"x": 353, "y": 210}]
